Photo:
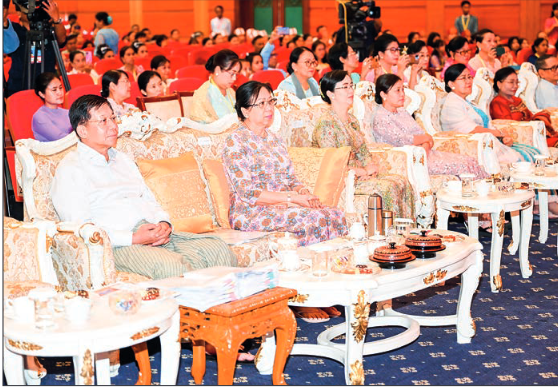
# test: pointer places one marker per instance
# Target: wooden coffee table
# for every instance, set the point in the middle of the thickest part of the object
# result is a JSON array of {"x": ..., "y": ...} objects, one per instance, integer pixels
[
  {"x": 356, "y": 292},
  {"x": 496, "y": 204}
]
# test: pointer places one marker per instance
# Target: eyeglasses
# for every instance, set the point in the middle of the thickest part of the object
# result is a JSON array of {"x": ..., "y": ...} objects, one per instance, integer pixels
[
  {"x": 417, "y": 56},
  {"x": 103, "y": 123},
  {"x": 394, "y": 50},
  {"x": 553, "y": 68},
  {"x": 310, "y": 63},
  {"x": 464, "y": 78},
  {"x": 262, "y": 104},
  {"x": 231, "y": 73},
  {"x": 463, "y": 52},
  {"x": 347, "y": 86}
]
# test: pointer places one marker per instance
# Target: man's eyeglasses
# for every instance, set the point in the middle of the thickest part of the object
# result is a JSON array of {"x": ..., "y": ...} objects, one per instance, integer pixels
[
  {"x": 347, "y": 86},
  {"x": 262, "y": 104},
  {"x": 463, "y": 52},
  {"x": 103, "y": 123},
  {"x": 553, "y": 68}
]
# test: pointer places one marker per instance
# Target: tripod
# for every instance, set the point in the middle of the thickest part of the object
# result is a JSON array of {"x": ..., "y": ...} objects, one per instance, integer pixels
[{"x": 34, "y": 52}]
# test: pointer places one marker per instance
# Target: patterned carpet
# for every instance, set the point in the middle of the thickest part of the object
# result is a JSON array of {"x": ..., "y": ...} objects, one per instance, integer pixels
[{"x": 516, "y": 341}]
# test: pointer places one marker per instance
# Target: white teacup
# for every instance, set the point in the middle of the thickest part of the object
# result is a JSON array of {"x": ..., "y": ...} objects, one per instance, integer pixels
[
  {"x": 78, "y": 309},
  {"x": 22, "y": 309},
  {"x": 482, "y": 187},
  {"x": 522, "y": 167},
  {"x": 454, "y": 186}
]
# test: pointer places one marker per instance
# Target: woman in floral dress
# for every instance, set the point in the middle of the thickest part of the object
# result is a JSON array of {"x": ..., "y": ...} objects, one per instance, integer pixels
[
  {"x": 395, "y": 126},
  {"x": 338, "y": 128},
  {"x": 265, "y": 194}
]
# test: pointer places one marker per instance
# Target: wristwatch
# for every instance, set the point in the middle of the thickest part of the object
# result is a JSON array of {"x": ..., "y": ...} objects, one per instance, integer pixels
[{"x": 58, "y": 21}]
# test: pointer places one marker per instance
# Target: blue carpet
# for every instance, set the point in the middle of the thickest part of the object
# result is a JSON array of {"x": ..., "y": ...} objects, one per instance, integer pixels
[{"x": 516, "y": 341}]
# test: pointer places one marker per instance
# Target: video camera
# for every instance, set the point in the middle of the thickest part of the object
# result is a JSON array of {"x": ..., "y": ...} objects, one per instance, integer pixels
[
  {"x": 39, "y": 19},
  {"x": 354, "y": 12},
  {"x": 359, "y": 32}
]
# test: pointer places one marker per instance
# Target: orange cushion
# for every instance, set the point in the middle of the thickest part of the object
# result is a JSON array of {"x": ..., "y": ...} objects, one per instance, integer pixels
[
  {"x": 218, "y": 189},
  {"x": 179, "y": 188},
  {"x": 322, "y": 170}
]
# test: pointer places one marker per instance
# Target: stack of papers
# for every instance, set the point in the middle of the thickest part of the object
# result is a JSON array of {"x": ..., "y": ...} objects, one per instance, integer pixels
[{"x": 203, "y": 289}]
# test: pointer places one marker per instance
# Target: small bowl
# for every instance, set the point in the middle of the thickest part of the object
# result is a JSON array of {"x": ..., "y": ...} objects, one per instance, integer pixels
[{"x": 522, "y": 167}]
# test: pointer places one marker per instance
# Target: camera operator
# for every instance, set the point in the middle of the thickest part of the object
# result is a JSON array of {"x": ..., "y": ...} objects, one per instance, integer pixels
[
  {"x": 18, "y": 69},
  {"x": 362, "y": 28}
]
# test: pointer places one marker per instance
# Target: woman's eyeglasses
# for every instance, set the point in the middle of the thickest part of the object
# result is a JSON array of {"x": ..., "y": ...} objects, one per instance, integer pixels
[
  {"x": 394, "y": 50},
  {"x": 347, "y": 86},
  {"x": 464, "y": 78},
  {"x": 463, "y": 52},
  {"x": 262, "y": 104},
  {"x": 310, "y": 63}
]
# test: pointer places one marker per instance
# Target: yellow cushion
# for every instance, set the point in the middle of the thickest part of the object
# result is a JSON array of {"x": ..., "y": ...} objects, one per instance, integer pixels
[
  {"x": 218, "y": 189},
  {"x": 323, "y": 171},
  {"x": 179, "y": 188}
]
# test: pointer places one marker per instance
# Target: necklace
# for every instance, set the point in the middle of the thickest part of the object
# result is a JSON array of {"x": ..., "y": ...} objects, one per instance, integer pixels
[
  {"x": 226, "y": 97},
  {"x": 465, "y": 25}
]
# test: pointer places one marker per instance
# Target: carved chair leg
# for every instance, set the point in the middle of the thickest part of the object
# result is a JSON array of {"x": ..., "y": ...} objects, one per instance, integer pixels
[
  {"x": 198, "y": 364},
  {"x": 142, "y": 357},
  {"x": 285, "y": 340}
]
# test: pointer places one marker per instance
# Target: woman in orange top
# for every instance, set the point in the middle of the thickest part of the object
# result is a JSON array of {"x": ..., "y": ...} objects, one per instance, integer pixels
[{"x": 507, "y": 106}]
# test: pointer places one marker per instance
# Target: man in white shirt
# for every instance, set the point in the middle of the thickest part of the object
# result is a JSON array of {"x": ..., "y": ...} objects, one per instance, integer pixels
[
  {"x": 99, "y": 184},
  {"x": 219, "y": 24},
  {"x": 547, "y": 90}
]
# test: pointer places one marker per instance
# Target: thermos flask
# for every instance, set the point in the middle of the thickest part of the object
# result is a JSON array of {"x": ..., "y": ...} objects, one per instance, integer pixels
[
  {"x": 387, "y": 220},
  {"x": 375, "y": 215}
]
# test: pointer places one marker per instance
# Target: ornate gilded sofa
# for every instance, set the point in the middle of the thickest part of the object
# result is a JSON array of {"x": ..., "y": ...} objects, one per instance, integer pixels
[
  {"x": 83, "y": 255},
  {"x": 295, "y": 122}
]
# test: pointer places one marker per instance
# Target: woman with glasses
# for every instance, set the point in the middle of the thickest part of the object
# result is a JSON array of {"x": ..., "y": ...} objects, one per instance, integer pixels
[
  {"x": 486, "y": 57},
  {"x": 216, "y": 98},
  {"x": 341, "y": 56},
  {"x": 116, "y": 88},
  {"x": 338, "y": 128},
  {"x": 459, "y": 115},
  {"x": 265, "y": 193},
  {"x": 395, "y": 126},
  {"x": 458, "y": 52},
  {"x": 50, "y": 122},
  {"x": 387, "y": 58},
  {"x": 301, "y": 67},
  {"x": 507, "y": 106}
]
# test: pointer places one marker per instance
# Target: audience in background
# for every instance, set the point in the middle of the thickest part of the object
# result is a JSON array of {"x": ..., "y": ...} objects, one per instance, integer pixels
[
  {"x": 151, "y": 84},
  {"x": 128, "y": 59},
  {"x": 215, "y": 98},
  {"x": 50, "y": 122},
  {"x": 116, "y": 88},
  {"x": 105, "y": 35},
  {"x": 540, "y": 47},
  {"x": 301, "y": 67}
]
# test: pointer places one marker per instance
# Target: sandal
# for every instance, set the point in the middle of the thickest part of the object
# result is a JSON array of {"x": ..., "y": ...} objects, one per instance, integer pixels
[
  {"x": 32, "y": 376},
  {"x": 310, "y": 315}
]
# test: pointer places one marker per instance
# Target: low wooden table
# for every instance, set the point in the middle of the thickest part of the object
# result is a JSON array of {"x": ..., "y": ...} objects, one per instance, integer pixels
[{"x": 226, "y": 326}]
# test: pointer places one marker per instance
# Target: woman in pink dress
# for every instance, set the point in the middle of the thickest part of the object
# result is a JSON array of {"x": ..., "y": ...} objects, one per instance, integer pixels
[
  {"x": 551, "y": 25},
  {"x": 395, "y": 126},
  {"x": 265, "y": 194},
  {"x": 458, "y": 52}
]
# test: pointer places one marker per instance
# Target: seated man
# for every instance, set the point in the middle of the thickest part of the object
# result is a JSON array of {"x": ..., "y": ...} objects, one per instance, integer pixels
[
  {"x": 547, "y": 91},
  {"x": 99, "y": 184}
]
